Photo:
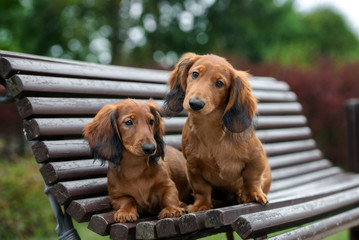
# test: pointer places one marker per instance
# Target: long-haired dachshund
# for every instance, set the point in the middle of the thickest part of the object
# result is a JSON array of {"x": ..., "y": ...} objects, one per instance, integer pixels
[
  {"x": 224, "y": 156},
  {"x": 140, "y": 179}
]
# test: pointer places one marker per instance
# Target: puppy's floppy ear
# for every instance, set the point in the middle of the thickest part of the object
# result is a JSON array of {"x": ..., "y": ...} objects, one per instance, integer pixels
[
  {"x": 104, "y": 137},
  {"x": 159, "y": 131},
  {"x": 177, "y": 82},
  {"x": 242, "y": 105}
]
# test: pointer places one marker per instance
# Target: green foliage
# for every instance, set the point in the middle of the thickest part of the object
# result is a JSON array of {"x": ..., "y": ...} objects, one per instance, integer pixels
[
  {"x": 25, "y": 209},
  {"x": 139, "y": 32}
]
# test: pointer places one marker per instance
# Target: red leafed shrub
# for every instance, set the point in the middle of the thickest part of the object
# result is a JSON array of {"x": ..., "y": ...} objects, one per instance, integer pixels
[{"x": 322, "y": 90}]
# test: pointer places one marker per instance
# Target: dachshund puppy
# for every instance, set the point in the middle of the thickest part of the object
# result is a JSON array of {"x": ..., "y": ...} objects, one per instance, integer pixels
[
  {"x": 224, "y": 156},
  {"x": 140, "y": 179}
]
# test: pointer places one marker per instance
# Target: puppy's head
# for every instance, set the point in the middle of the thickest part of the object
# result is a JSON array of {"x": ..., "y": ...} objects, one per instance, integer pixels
[
  {"x": 207, "y": 84},
  {"x": 129, "y": 125}
]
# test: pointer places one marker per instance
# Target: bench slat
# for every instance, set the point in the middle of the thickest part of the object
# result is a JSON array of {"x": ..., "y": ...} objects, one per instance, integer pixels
[
  {"x": 65, "y": 192},
  {"x": 304, "y": 178},
  {"x": 226, "y": 215},
  {"x": 266, "y": 82},
  {"x": 59, "y": 127},
  {"x": 70, "y": 170},
  {"x": 46, "y": 106},
  {"x": 280, "y": 148},
  {"x": 60, "y": 149},
  {"x": 261, "y": 223},
  {"x": 121, "y": 231},
  {"x": 302, "y": 190},
  {"x": 82, "y": 210},
  {"x": 40, "y": 84},
  {"x": 26, "y": 84},
  {"x": 13, "y": 66},
  {"x": 323, "y": 228},
  {"x": 294, "y": 158},
  {"x": 307, "y": 167},
  {"x": 286, "y": 134},
  {"x": 101, "y": 223}
]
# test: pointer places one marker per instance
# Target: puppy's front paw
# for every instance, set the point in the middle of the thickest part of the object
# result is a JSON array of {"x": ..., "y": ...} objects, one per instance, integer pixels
[
  {"x": 259, "y": 197},
  {"x": 198, "y": 208},
  {"x": 171, "y": 212},
  {"x": 123, "y": 215}
]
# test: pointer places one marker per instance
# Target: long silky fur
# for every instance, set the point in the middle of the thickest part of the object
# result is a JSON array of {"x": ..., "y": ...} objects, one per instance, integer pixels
[
  {"x": 160, "y": 153},
  {"x": 236, "y": 119},
  {"x": 174, "y": 99},
  {"x": 115, "y": 145},
  {"x": 173, "y": 102}
]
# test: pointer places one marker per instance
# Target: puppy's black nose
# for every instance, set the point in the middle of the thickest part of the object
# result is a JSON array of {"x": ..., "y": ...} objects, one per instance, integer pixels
[
  {"x": 148, "y": 148},
  {"x": 196, "y": 104}
]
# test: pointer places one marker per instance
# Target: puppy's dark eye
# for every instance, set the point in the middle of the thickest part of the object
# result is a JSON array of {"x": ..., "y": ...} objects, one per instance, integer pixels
[
  {"x": 195, "y": 75},
  {"x": 219, "y": 84},
  {"x": 151, "y": 122},
  {"x": 129, "y": 122}
]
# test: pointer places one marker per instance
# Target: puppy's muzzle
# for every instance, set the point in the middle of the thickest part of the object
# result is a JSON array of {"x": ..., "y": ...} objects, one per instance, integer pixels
[
  {"x": 196, "y": 104},
  {"x": 148, "y": 148}
]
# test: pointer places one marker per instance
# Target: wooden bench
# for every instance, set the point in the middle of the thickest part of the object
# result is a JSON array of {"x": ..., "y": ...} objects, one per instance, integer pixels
[{"x": 56, "y": 98}]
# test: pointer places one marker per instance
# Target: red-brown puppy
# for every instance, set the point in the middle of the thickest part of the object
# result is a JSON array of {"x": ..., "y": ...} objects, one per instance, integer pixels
[
  {"x": 224, "y": 155},
  {"x": 140, "y": 179}
]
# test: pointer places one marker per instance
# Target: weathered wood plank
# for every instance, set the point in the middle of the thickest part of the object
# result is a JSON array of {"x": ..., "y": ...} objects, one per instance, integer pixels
[
  {"x": 82, "y": 210},
  {"x": 343, "y": 180},
  {"x": 79, "y": 149},
  {"x": 299, "y": 169},
  {"x": 191, "y": 222},
  {"x": 146, "y": 230},
  {"x": 93, "y": 71},
  {"x": 70, "y": 170},
  {"x": 226, "y": 215},
  {"x": 280, "y": 148},
  {"x": 59, "y": 127},
  {"x": 120, "y": 231},
  {"x": 294, "y": 158},
  {"x": 261, "y": 223},
  {"x": 47, "y": 106},
  {"x": 19, "y": 84},
  {"x": 167, "y": 227},
  {"x": 304, "y": 179},
  {"x": 65, "y": 192},
  {"x": 101, "y": 223},
  {"x": 60, "y": 150},
  {"x": 26, "y": 84},
  {"x": 285, "y": 134},
  {"x": 323, "y": 228}
]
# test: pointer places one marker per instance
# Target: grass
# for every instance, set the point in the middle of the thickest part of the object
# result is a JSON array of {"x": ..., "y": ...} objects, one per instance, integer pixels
[{"x": 26, "y": 212}]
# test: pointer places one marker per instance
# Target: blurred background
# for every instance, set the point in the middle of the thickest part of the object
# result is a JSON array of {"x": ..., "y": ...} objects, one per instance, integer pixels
[{"x": 312, "y": 45}]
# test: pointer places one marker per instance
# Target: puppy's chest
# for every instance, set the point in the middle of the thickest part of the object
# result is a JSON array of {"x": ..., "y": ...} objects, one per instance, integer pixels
[
  {"x": 223, "y": 161},
  {"x": 142, "y": 191}
]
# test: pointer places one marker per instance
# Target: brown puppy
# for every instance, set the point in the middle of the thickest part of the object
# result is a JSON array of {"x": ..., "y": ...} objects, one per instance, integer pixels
[
  {"x": 224, "y": 155},
  {"x": 129, "y": 135}
]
